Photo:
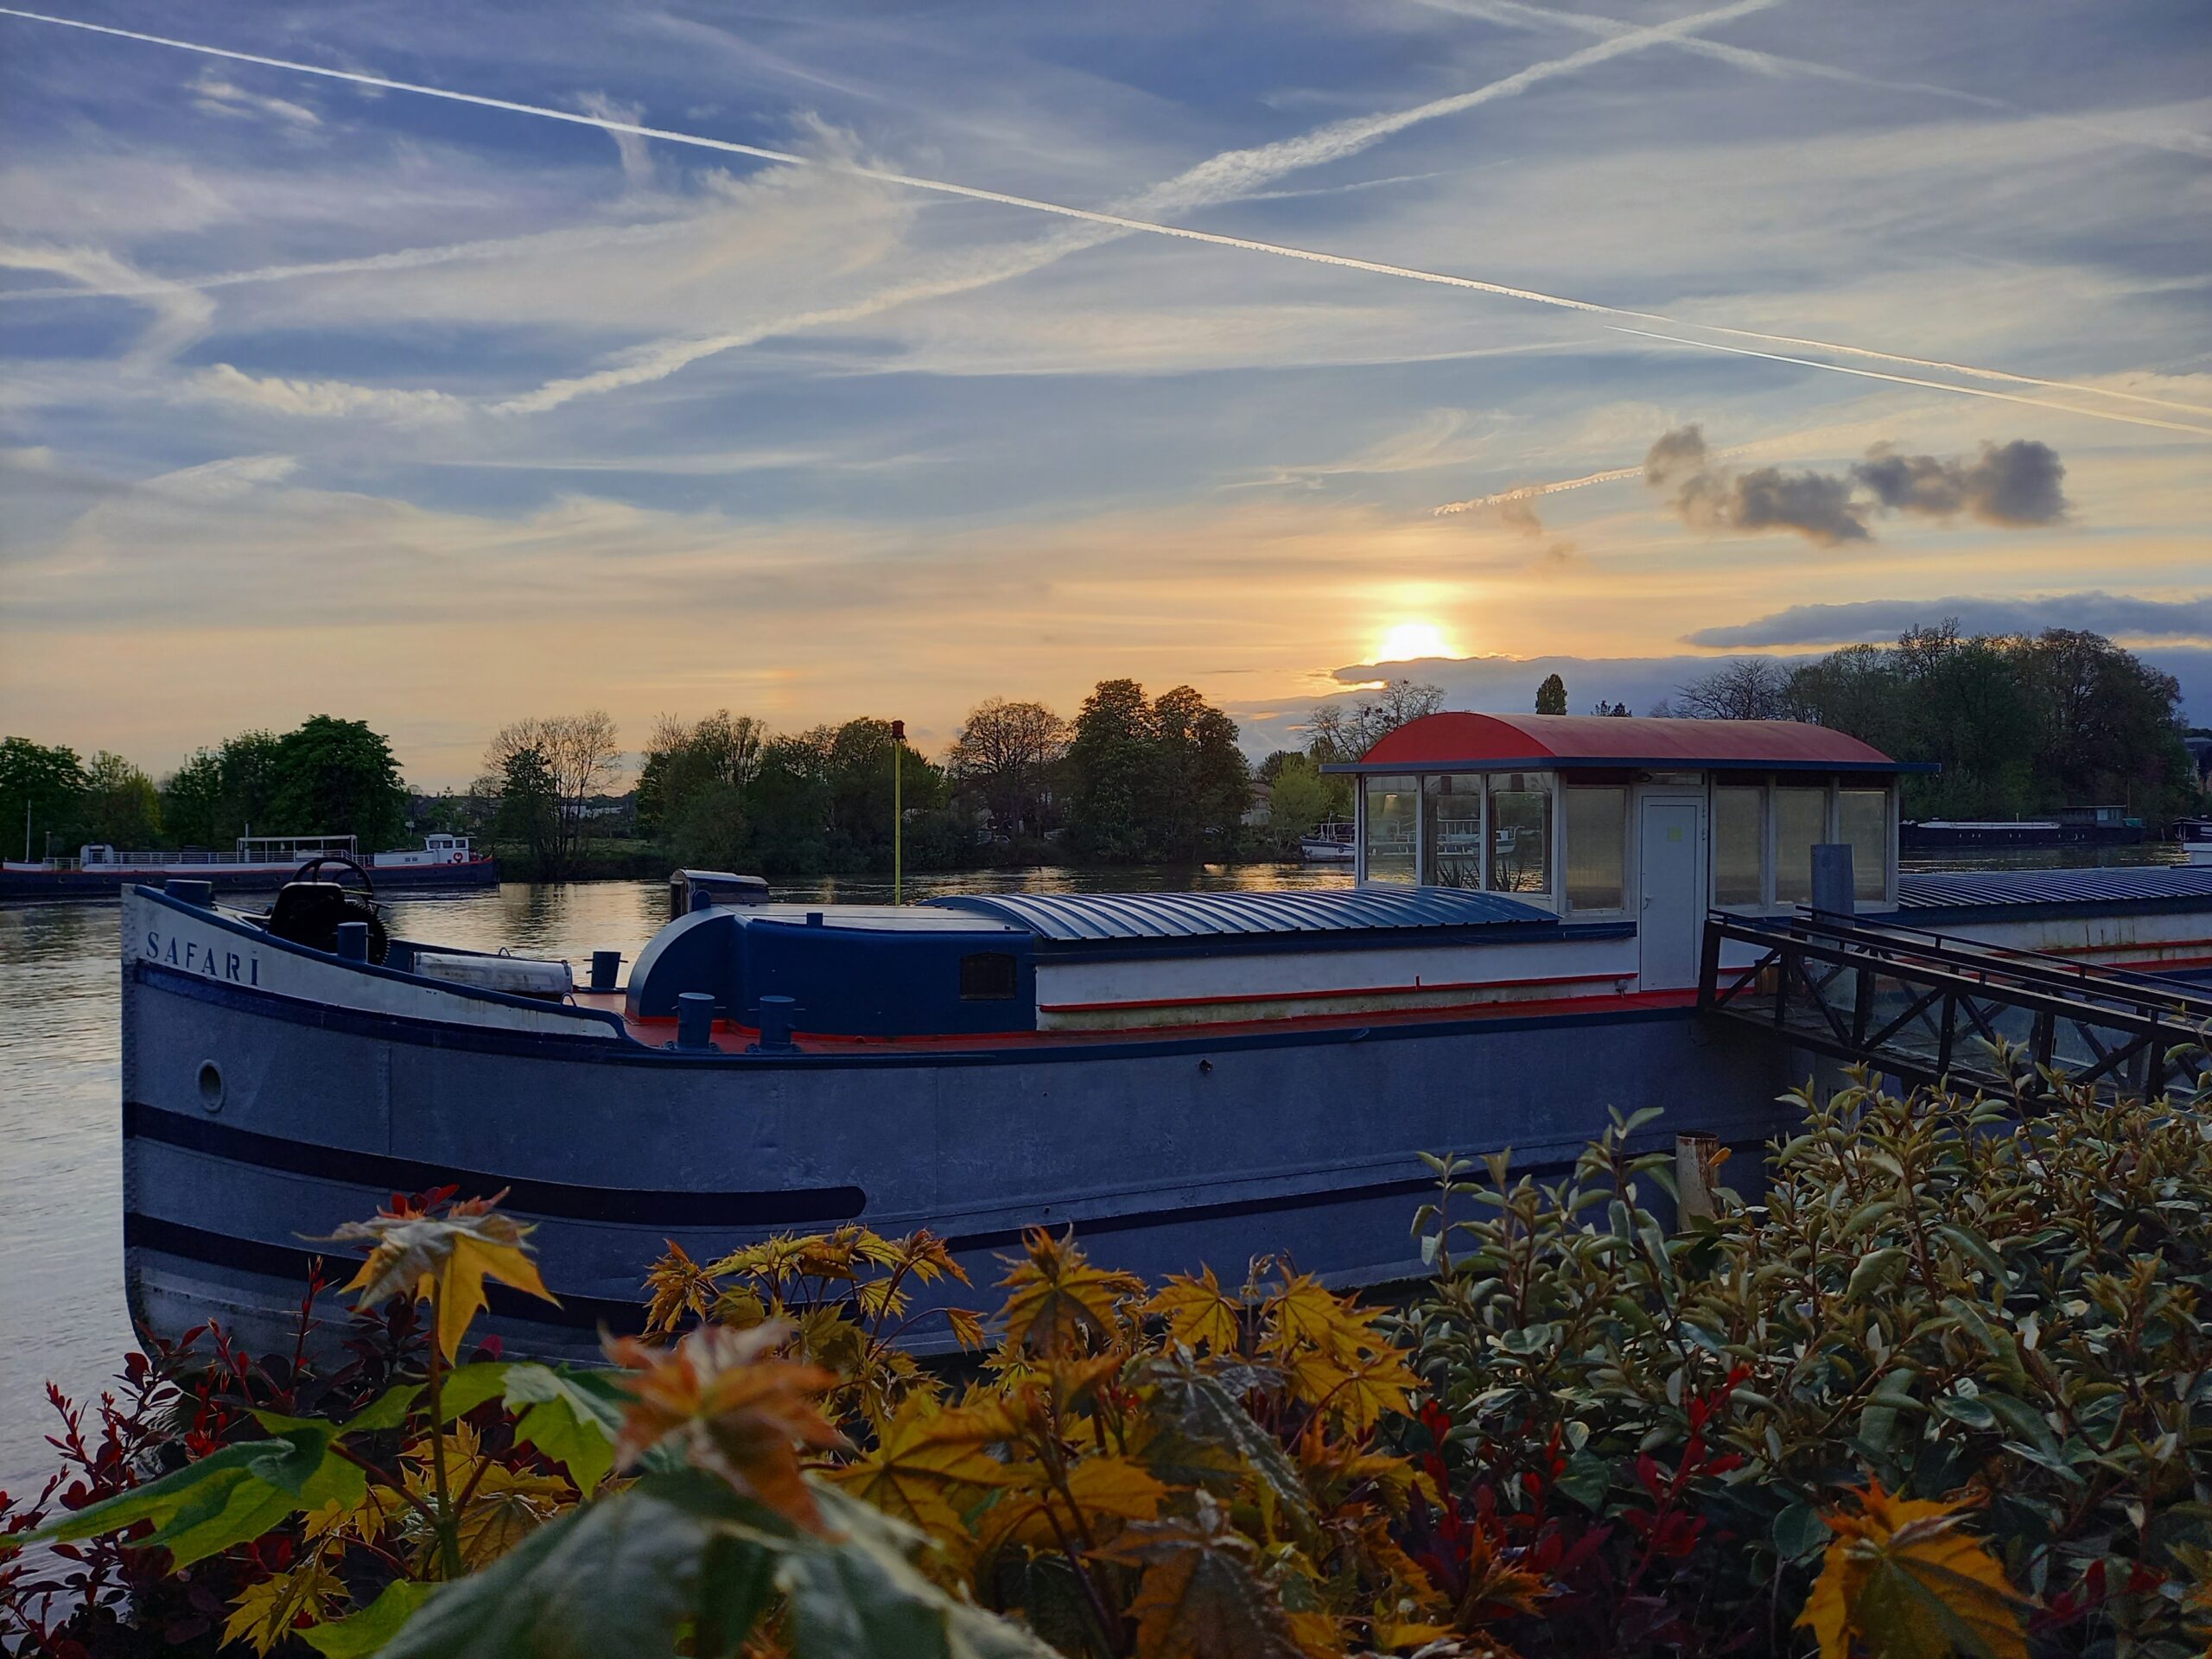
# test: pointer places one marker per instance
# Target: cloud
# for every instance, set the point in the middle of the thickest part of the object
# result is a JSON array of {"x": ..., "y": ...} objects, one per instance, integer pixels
[
  {"x": 1884, "y": 618},
  {"x": 181, "y": 316},
  {"x": 321, "y": 399},
  {"x": 216, "y": 96},
  {"x": 2016, "y": 484}
]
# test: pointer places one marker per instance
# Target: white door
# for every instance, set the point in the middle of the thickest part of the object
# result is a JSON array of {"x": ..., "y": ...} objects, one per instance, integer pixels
[{"x": 1671, "y": 883}]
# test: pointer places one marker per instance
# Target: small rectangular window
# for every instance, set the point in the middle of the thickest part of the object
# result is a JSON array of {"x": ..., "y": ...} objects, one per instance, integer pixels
[
  {"x": 1392, "y": 803},
  {"x": 1738, "y": 845},
  {"x": 988, "y": 977},
  {"x": 1801, "y": 824},
  {"x": 1521, "y": 832},
  {"x": 1863, "y": 825},
  {"x": 1597, "y": 827},
  {"x": 1452, "y": 840}
]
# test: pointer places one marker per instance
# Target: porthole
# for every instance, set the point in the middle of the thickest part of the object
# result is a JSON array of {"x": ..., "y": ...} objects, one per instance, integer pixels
[{"x": 211, "y": 1085}]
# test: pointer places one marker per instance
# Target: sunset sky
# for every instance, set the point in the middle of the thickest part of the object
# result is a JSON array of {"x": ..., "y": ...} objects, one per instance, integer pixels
[{"x": 324, "y": 396}]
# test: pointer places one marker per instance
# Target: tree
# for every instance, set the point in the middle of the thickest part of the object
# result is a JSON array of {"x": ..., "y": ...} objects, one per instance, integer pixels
[
  {"x": 120, "y": 806},
  {"x": 1201, "y": 784},
  {"x": 336, "y": 777},
  {"x": 1751, "y": 688},
  {"x": 1551, "y": 695},
  {"x": 1300, "y": 797},
  {"x": 192, "y": 799},
  {"x": 1005, "y": 751},
  {"x": 530, "y": 807},
  {"x": 721, "y": 752},
  {"x": 787, "y": 804},
  {"x": 580, "y": 754},
  {"x": 858, "y": 762},
  {"x": 1337, "y": 732},
  {"x": 39, "y": 787},
  {"x": 1109, "y": 761}
]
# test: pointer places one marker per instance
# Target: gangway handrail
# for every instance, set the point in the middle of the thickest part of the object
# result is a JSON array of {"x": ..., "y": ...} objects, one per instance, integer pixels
[{"x": 1955, "y": 954}]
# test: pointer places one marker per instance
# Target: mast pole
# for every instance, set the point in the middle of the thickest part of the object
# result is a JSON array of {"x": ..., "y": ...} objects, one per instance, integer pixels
[{"x": 897, "y": 816}]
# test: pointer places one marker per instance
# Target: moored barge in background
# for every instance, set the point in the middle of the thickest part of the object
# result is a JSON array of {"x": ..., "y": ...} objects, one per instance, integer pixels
[
  {"x": 259, "y": 864},
  {"x": 1182, "y": 1077}
]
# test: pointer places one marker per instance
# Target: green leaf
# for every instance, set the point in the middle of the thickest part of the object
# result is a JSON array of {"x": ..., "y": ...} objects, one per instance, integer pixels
[
  {"x": 366, "y": 1631},
  {"x": 1798, "y": 1531},
  {"x": 1976, "y": 1250},
  {"x": 1586, "y": 1479},
  {"x": 573, "y": 1417},
  {"x": 1875, "y": 1270},
  {"x": 1208, "y": 1439},
  {"x": 388, "y": 1410},
  {"x": 229, "y": 1497},
  {"x": 615, "y": 1579},
  {"x": 1993, "y": 1337},
  {"x": 861, "y": 1598},
  {"x": 467, "y": 1386},
  {"x": 737, "y": 1583},
  {"x": 1878, "y": 1423}
]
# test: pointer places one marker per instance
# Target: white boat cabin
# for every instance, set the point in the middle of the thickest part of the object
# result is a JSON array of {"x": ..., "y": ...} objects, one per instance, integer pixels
[{"x": 1597, "y": 818}]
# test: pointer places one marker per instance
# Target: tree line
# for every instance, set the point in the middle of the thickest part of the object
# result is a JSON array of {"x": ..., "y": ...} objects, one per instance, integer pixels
[
  {"x": 325, "y": 776},
  {"x": 2021, "y": 725}
]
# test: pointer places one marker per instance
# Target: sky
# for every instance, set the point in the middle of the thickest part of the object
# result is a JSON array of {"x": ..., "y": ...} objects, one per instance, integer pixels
[{"x": 851, "y": 359}]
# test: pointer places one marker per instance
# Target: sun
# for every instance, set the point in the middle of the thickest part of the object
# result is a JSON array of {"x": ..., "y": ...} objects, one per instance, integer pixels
[{"x": 1407, "y": 642}]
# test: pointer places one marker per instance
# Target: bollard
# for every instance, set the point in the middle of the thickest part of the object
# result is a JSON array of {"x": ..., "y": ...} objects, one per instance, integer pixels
[
  {"x": 190, "y": 892},
  {"x": 695, "y": 1020},
  {"x": 702, "y": 899},
  {"x": 353, "y": 941},
  {"x": 776, "y": 1025},
  {"x": 606, "y": 965},
  {"x": 1834, "y": 892}
]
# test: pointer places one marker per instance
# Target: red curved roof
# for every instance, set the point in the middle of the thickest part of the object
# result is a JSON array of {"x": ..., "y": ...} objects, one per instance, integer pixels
[{"x": 1457, "y": 739}]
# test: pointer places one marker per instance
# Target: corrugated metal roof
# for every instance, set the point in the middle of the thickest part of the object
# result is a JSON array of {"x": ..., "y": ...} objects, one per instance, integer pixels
[
  {"x": 1962, "y": 889},
  {"x": 1096, "y": 916},
  {"x": 1463, "y": 740}
]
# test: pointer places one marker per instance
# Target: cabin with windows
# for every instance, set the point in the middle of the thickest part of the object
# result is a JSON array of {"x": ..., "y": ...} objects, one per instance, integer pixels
[{"x": 1598, "y": 818}]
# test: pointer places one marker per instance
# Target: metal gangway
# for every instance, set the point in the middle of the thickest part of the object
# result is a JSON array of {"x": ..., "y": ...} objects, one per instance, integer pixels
[{"x": 1926, "y": 1006}]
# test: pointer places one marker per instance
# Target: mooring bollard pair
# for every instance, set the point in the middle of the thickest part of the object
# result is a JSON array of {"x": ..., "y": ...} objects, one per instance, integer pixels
[{"x": 695, "y": 1023}]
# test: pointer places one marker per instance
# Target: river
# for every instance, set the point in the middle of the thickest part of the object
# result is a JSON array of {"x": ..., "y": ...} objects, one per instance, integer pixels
[{"x": 62, "y": 1309}]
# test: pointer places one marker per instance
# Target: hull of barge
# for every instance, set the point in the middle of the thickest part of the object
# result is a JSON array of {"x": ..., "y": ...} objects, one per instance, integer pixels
[{"x": 256, "y": 1121}]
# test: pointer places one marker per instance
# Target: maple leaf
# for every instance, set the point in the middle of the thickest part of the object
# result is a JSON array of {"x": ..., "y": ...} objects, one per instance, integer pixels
[
  {"x": 262, "y": 1615},
  {"x": 1904, "y": 1578},
  {"x": 735, "y": 1408},
  {"x": 449, "y": 1247},
  {"x": 1201, "y": 1598},
  {"x": 1106, "y": 1488},
  {"x": 967, "y": 1328},
  {"x": 679, "y": 1286},
  {"x": 928, "y": 1463},
  {"x": 504, "y": 1506},
  {"x": 928, "y": 1257},
  {"x": 1302, "y": 1313},
  {"x": 1199, "y": 1313},
  {"x": 377, "y": 1512},
  {"x": 1057, "y": 1297}
]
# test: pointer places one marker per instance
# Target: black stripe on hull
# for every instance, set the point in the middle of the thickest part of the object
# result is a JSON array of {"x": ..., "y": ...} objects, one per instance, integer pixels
[{"x": 559, "y": 1200}]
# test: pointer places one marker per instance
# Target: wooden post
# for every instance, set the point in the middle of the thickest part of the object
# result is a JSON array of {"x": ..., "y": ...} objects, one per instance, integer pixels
[{"x": 1698, "y": 1159}]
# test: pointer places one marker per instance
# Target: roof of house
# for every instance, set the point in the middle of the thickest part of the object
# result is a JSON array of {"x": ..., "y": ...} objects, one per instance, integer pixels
[{"x": 1468, "y": 742}]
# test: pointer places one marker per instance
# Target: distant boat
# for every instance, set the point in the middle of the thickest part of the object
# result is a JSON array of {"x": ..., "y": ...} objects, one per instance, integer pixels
[
  {"x": 259, "y": 864},
  {"x": 2070, "y": 826},
  {"x": 1330, "y": 843}
]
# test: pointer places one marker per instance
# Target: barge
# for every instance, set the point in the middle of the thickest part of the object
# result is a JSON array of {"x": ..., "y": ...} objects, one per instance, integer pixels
[
  {"x": 259, "y": 864},
  {"x": 1183, "y": 1078}
]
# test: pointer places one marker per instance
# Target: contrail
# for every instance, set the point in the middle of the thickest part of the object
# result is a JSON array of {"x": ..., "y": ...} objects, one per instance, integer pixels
[
  {"x": 1116, "y": 221},
  {"x": 1530, "y": 492},
  {"x": 1909, "y": 380}
]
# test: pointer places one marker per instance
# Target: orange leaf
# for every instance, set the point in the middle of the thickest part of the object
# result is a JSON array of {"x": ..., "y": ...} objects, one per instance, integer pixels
[
  {"x": 450, "y": 1248},
  {"x": 927, "y": 1461},
  {"x": 1199, "y": 1313},
  {"x": 1057, "y": 1297},
  {"x": 1105, "y": 1489},
  {"x": 736, "y": 1408},
  {"x": 1906, "y": 1579}
]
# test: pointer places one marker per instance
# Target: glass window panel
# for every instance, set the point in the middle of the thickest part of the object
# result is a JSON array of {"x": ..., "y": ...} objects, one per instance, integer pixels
[
  {"x": 1521, "y": 832},
  {"x": 1863, "y": 821},
  {"x": 1801, "y": 821},
  {"x": 1452, "y": 841},
  {"x": 1738, "y": 845},
  {"x": 1597, "y": 827},
  {"x": 1391, "y": 804}
]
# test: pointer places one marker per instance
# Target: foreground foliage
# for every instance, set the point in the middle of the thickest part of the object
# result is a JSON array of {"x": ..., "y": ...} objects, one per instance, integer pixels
[{"x": 1943, "y": 1391}]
